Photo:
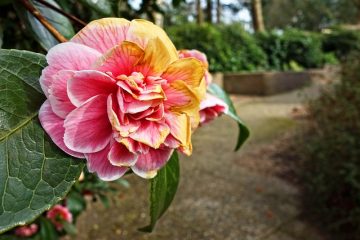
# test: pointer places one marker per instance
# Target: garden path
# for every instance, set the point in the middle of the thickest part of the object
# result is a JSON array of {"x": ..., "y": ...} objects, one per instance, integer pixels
[{"x": 222, "y": 194}]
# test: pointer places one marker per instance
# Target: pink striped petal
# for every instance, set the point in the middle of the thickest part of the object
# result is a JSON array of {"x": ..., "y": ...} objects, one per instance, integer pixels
[
  {"x": 151, "y": 133},
  {"x": 53, "y": 125},
  {"x": 171, "y": 142},
  {"x": 86, "y": 84},
  {"x": 121, "y": 59},
  {"x": 211, "y": 107},
  {"x": 103, "y": 34},
  {"x": 98, "y": 162},
  {"x": 58, "y": 97},
  {"x": 158, "y": 113},
  {"x": 148, "y": 164},
  {"x": 136, "y": 106},
  {"x": 133, "y": 146},
  {"x": 87, "y": 128},
  {"x": 66, "y": 56},
  {"x": 120, "y": 156}
]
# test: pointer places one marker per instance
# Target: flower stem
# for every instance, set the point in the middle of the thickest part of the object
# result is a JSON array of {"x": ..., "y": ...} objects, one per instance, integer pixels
[
  {"x": 71, "y": 17},
  {"x": 43, "y": 21}
]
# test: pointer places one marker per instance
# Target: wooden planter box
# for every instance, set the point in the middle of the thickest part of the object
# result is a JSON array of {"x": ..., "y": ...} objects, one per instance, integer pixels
[{"x": 265, "y": 83}]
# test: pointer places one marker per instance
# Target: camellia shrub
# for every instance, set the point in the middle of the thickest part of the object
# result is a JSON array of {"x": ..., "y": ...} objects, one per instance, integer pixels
[{"x": 116, "y": 98}]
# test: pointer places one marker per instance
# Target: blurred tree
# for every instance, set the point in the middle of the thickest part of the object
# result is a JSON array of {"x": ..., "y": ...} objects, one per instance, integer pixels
[
  {"x": 310, "y": 14},
  {"x": 218, "y": 11},
  {"x": 257, "y": 16},
  {"x": 199, "y": 12},
  {"x": 209, "y": 7}
]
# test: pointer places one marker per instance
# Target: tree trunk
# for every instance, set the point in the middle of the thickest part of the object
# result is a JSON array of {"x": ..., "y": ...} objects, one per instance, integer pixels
[
  {"x": 209, "y": 11},
  {"x": 218, "y": 11},
  {"x": 257, "y": 16},
  {"x": 199, "y": 11}
]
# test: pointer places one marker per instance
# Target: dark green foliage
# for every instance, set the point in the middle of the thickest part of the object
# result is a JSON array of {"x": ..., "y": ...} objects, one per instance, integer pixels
[
  {"x": 205, "y": 38},
  {"x": 342, "y": 42},
  {"x": 244, "y": 54},
  {"x": 332, "y": 155},
  {"x": 293, "y": 46},
  {"x": 230, "y": 48}
]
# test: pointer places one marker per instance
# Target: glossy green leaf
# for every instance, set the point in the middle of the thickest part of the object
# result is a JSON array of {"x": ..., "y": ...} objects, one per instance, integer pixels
[
  {"x": 244, "y": 131},
  {"x": 34, "y": 173},
  {"x": 163, "y": 189},
  {"x": 40, "y": 33}
]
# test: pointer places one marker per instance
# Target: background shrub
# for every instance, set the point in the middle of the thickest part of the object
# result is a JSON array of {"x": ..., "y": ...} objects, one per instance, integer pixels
[
  {"x": 205, "y": 38},
  {"x": 228, "y": 48},
  {"x": 331, "y": 152},
  {"x": 342, "y": 42},
  {"x": 232, "y": 49},
  {"x": 293, "y": 46}
]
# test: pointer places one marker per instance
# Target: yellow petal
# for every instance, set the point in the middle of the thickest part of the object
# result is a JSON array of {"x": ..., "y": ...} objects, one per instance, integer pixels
[
  {"x": 189, "y": 70},
  {"x": 156, "y": 58},
  {"x": 180, "y": 127},
  {"x": 182, "y": 99},
  {"x": 141, "y": 31}
]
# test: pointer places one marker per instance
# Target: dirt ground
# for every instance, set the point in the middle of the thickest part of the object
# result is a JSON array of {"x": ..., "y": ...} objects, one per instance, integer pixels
[{"x": 247, "y": 195}]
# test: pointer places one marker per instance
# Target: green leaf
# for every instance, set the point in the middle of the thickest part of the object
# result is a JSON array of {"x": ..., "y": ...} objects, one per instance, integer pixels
[
  {"x": 69, "y": 228},
  {"x": 104, "y": 200},
  {"x": 243, "y": 130},
  {"x": 47, "y": 230},
  {"x": 162, "y": 190},
  {"x": 40, "y": 33},
  {"x": 34, "y": 173},
  {"x": 76, "y": 203},
  {"x": 102, "y": 7}
]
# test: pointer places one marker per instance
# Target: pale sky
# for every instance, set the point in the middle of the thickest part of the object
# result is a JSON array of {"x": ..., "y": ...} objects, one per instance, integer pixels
[{"x": 228, "y": 16}]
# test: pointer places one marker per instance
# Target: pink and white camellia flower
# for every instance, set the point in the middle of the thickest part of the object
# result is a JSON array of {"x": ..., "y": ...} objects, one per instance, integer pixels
[
  {"x": 58, "y": 214},
  {"x": 118, "y": 95},
  {"x": 211, "y": 107},
  {"x": 26, "y": 231}
]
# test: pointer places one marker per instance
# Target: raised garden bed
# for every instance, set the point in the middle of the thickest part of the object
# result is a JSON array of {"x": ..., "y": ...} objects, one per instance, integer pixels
[{"x": 269, "y": 83}]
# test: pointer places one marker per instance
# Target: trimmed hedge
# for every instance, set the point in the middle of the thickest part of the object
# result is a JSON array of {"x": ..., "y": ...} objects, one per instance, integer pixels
[
  {"x": 228, "y": 48},
  {"x": 232, "y": 49}
]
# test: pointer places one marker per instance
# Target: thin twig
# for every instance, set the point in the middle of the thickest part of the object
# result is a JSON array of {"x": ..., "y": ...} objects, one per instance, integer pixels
[
  {"x": 56, "y": 9},
  {"x": 43, "y": 21}
]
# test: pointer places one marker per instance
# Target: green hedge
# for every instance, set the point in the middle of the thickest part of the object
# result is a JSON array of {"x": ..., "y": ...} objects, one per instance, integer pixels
[
  {"x": 341, "y": 42},
  {"x": 232, "y": 49},
  {"x": 228, "y": 48},
  {"x": 294, "y": 47}
]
